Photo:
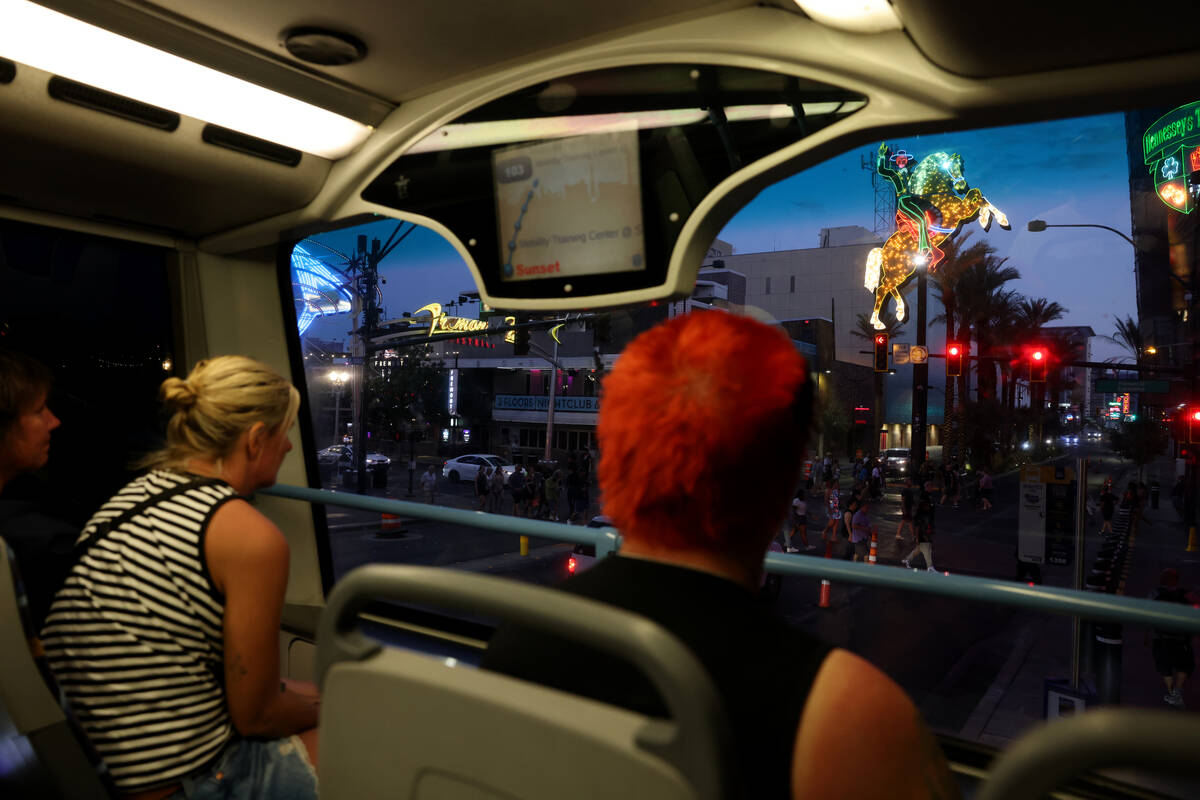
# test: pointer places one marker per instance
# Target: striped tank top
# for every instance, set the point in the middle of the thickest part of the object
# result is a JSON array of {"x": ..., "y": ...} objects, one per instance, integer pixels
[{"x": 134, "y": 637}]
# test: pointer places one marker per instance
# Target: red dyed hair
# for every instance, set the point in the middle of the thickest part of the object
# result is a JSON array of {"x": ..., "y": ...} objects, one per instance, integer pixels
[{"x": 702, "y": 427}]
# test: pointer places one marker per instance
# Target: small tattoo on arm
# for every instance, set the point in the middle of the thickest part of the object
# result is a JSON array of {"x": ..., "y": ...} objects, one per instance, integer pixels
[{"x": 236, "y": 668}]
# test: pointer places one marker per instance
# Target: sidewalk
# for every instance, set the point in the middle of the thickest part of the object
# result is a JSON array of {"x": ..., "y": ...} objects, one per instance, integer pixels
[{"x": 1042, "y": 642}]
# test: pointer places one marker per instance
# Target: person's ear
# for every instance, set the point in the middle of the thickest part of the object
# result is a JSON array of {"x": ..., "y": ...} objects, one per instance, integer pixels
[{"x": 256, "y": 440}]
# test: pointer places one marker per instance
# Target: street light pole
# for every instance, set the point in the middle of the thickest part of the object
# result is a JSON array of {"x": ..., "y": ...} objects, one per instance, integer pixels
[
  {"x": 920, "y": 390},
  {"x": 550, "y": 408},
  {"x": 1189, "y": 288},
  {"x": 338, "y": 379}
]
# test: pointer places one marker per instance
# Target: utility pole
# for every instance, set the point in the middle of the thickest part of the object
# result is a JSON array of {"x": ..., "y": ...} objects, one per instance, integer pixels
[{"x": 365, "y": 269}]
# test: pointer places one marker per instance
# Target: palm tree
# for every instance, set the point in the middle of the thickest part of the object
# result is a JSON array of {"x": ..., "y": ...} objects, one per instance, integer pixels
[
  {"x": 866, "y": 331},
  {"x": 961, "y": 254},
  {"x": 985, "y": 305},
  {"x": 1029, "y": 316},
  {"x": 1128, "y": 334}
]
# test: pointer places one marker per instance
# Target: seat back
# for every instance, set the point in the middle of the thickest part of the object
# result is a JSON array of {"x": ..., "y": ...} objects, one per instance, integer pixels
[
  {"x": 1051, "y": 754},
  {"x": 404, "y": 725},
  {"x": 44, "y": 749}
]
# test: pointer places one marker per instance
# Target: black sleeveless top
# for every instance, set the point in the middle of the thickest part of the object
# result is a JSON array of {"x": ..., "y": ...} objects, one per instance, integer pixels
[{"x": 762, "y": 667}]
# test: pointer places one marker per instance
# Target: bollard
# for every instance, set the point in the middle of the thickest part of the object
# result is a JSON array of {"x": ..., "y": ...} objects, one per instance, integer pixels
[
  {"x": 823, "y": 599},
  {"x": 1107, "y": 661},
  {"x": 390, "y": 526},
  {"x": 524, "y": 545},
  {"x": 1192, "y": 547},
  {"x": 872, "y": 554}
]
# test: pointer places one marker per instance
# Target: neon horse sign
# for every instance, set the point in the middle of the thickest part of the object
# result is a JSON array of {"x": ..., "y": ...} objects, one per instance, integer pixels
[{"x": 929, "y": 211}]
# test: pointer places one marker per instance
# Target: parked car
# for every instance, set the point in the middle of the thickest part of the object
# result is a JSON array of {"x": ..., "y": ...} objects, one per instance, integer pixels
[
  {"x": 895, "y": 461},
  {"x": 465, "y": 468},
  {"x": 344, "y": 454}
]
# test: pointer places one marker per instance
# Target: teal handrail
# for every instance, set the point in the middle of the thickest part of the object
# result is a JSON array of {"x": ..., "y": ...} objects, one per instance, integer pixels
[{"x": 1095, "y": 606}]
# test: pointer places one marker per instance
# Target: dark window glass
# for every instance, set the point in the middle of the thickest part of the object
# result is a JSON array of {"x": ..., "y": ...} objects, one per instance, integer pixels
[{"x": 97, "y": 312}]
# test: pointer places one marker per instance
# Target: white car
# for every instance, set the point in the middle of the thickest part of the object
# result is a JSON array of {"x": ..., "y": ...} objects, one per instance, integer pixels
[
  {"x": 895, "y": 461},
  {"x": 465, "y": 468}
]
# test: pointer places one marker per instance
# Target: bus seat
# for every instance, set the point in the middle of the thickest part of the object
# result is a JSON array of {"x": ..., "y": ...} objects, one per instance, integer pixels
[
  {"x": 1054, "y": 752},
  {"x": 398, "y": 724},
  {"x": 41, "y": 748}
]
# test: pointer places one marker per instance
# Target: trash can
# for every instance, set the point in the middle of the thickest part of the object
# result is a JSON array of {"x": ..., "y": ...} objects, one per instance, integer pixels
[
  {"x": 1154, "y": 495},
  {"x": 379, "y": 477}
]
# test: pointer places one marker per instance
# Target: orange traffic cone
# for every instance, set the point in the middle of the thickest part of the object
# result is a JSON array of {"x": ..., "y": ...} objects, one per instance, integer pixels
[
  {"x": 871, "y": 555},
  {"x": 390, "y": 525},
  {"x": 823, "y": 600}
]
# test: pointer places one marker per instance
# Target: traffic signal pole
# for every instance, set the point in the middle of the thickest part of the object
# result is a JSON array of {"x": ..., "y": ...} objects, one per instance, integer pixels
[{"x": 920, "y": 382}]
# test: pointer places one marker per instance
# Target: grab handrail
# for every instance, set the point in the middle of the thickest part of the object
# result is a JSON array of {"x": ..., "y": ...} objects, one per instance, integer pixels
[{"x": 1054, "y": 600}]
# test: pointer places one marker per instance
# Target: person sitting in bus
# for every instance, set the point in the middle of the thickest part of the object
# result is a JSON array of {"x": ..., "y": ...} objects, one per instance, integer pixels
[
  {"x": 701, "y": 436},
  {"x": 42, "y": 543},
  {"x": 165, "y": 636}
]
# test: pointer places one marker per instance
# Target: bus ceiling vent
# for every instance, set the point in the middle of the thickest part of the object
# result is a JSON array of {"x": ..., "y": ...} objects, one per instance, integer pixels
[{"x": 323, "y": 47}]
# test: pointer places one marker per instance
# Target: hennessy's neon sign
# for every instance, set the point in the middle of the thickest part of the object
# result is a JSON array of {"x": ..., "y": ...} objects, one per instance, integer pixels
[{"x": 441, "y": 322}]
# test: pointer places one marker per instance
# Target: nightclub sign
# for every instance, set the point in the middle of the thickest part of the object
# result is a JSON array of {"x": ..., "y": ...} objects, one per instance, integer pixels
[{"x": 1171, "y": 150}]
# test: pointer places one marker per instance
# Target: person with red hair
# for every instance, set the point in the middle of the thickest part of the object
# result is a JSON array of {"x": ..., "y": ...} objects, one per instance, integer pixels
[{"x": 702, "y": 427}]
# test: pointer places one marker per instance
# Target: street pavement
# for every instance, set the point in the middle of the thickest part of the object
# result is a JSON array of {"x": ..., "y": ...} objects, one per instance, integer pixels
[{"x": 975, "y": 670}]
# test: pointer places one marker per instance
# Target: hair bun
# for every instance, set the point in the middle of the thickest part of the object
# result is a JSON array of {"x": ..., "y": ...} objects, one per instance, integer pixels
[{"x": 178, "y": 394}]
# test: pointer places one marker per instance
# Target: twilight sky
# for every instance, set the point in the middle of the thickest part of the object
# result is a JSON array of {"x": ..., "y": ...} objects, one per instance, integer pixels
[{"x": 1067, "y": 171}]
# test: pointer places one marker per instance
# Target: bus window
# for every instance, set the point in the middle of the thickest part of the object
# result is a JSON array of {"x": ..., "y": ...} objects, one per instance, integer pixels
[
  {"x": 97, "y": 312},
  {"x": 1063, "y": 238}
]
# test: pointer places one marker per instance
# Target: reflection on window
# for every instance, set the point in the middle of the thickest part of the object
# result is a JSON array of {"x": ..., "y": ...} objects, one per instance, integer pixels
[{"x": 97, "y": 312}]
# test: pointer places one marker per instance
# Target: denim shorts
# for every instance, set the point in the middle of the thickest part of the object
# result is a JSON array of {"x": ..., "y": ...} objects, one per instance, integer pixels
[{"x": 252, "y": 768}]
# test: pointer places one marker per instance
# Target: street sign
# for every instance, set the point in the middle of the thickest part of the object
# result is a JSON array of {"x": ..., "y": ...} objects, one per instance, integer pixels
[
  {"x": 1111, "y": 386},
  {"x": 900, "y": 353},
  {"x": 918, "y": 354},
  {"x": 1031, "y": 531}
]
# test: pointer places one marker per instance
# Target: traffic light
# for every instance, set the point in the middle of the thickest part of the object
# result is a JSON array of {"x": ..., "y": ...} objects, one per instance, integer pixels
[
  {"x": 521, "y": 342},
  {"x": 1037, "y": 365},
  {"x": 881, "y": 352},
  {"x": 1193, "y": 420},
  {"x": 954, "y": 359}
]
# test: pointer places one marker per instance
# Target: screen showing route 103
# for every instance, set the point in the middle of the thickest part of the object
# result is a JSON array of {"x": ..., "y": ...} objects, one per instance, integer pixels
[{"x": 569, "y": 207}]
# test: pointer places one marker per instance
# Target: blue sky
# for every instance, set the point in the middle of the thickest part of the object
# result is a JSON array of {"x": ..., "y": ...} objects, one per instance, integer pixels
[{"x": 1066, "y": 171}]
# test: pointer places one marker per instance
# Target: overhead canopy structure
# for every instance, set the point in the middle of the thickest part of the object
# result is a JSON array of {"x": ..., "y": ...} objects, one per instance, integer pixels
[{"x": 318, "y": 289}]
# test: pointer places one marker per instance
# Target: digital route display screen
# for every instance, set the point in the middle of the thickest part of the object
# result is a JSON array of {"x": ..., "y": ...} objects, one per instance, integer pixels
[{"x": 569, "y": 207}]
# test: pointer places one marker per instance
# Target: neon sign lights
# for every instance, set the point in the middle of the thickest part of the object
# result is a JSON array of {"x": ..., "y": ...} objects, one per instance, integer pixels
[
  {"x": 1171, "y": 150},
  {"x": 318, "y": 289},
  {"x": 441, "y": 322},
  {"x": 933, "y": 202}
]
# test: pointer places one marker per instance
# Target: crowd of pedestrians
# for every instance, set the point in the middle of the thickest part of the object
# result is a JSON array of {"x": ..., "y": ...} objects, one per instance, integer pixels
[{"x": 553, "y": 493}]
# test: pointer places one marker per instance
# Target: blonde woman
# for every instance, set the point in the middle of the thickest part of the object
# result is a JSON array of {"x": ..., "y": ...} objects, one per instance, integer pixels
[{"x": 165, "y": 635}]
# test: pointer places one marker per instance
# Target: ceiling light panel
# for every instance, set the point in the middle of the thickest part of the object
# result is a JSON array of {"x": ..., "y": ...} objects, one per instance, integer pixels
[
  {"x": 857, "y": 16},
  {"x": 50, "y": 41}
]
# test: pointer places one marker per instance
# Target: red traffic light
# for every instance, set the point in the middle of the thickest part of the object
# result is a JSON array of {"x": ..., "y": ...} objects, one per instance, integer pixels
[
  {"x": 954, "y": 359},
  {"x": 881, "y": 352},
  {"x": 1196, "y": 415},
  {"x": 1038, "y": 355}
]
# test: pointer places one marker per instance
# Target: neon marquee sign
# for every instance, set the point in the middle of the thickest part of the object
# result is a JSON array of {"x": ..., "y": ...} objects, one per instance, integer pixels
[
  {"x": 1171, "y": 151},
  {"x": 441, "y": 322}
]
